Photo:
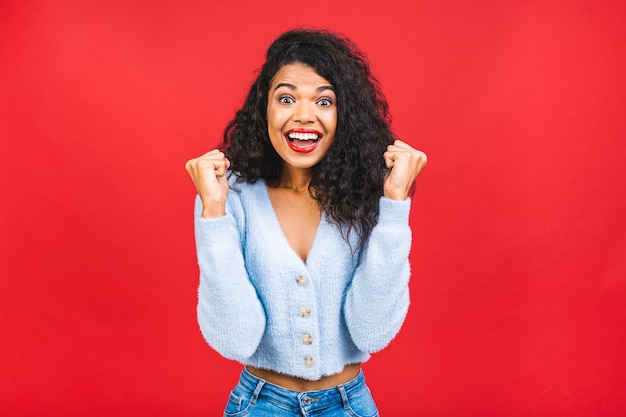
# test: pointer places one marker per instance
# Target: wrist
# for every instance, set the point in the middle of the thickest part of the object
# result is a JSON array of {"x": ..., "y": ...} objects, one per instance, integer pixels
[
  {"x": 213, "y": 209},
  {"x": 395, "y": 195}
]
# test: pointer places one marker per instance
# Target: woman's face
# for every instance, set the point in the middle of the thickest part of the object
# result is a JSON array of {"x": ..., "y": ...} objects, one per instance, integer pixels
[{"x": 301, "y": 115}]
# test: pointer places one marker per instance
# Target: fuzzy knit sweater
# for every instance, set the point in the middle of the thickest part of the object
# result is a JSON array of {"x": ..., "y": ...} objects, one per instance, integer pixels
[{"x": 260, "y": 304}]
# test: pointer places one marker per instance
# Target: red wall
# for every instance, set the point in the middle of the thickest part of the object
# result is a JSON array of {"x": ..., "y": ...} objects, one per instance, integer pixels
[{"x": 519, "y": 256}]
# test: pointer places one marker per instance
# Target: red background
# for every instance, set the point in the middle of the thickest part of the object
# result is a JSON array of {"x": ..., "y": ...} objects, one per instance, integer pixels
[{"x": 519, "y": 255}]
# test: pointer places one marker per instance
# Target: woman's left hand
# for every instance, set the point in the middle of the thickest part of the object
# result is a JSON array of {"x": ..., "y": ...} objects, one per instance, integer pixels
[{"x": 404, "y": 163}]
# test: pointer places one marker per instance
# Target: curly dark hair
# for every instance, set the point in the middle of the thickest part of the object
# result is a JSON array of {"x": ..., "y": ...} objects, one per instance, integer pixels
[{"x": 348, "y": 182}]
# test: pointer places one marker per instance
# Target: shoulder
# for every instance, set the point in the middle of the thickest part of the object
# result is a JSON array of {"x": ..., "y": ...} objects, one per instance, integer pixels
[
  {"x": 243, "y": 193},
  {"x": 242, "y": 186}
]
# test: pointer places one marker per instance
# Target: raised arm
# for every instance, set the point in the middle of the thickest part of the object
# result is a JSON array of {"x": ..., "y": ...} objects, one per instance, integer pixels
[
  {"x": 230, "y": 314},
  {"x": 378, "y": 298}
]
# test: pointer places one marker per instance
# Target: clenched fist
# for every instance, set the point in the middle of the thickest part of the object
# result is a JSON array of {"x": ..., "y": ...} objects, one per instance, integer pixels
[
  {"x": 208, "y": 173},
  {"x": 404, "y": 164}
]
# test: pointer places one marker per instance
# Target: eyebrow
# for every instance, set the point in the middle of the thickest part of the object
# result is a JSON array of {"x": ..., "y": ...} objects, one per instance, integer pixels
[{"x": 293, "y": 87}]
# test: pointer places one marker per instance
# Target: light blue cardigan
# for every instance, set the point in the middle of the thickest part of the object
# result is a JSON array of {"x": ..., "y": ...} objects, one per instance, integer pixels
[{"x": 260, "y": 304}]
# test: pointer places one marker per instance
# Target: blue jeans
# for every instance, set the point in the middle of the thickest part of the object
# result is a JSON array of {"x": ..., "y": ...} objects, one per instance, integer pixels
[{"x": 257, "y": 398}]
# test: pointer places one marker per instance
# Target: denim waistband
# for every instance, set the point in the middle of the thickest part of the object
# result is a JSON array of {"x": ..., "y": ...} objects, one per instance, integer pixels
[{"x": 307, "y": 400}]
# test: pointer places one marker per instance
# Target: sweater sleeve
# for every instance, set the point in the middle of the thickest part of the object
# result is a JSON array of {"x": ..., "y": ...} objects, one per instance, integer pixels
[
  {"x": 230, "y": 314},
  {"x": 377, "y": 300}
]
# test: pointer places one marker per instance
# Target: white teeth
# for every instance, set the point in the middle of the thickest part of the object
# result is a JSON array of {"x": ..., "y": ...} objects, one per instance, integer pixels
[{"x": 302, "y": 136}]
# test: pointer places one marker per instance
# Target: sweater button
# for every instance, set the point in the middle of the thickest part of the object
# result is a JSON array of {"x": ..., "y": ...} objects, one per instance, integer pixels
[
  {"x": 304, "y": 311},
  {"x": 301, "y": 280},
  {"x": 308, "y": 361},
  {"x": 307, "y": 339}
]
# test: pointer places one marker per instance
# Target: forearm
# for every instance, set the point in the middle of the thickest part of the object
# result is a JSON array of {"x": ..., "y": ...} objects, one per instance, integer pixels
[
  {"x": 230, "y": 314},
  {"x": 377, "y": 300}
]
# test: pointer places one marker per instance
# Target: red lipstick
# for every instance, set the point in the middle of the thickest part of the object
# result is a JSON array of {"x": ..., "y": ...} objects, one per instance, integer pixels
[{"x": 303, "y": 140}]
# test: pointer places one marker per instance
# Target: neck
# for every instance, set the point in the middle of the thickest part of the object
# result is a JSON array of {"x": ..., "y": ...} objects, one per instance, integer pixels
[{"x": 296, "y": 179}]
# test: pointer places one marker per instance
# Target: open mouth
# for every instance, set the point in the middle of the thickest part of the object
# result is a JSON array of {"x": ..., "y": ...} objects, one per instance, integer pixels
[{"x": 303, "y": 141}]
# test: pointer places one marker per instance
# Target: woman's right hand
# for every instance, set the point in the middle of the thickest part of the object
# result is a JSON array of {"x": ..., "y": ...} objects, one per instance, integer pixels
[{"x": 208, "y": 173}]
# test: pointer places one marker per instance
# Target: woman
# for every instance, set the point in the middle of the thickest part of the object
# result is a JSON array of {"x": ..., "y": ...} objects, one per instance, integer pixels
[{"x": 302, "y": 231}]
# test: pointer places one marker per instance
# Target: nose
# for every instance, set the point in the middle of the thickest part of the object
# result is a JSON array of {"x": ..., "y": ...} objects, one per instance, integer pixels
[{"x": 304, "y": 113}]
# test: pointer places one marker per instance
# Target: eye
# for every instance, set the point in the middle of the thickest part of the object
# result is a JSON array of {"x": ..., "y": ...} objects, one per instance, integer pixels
[
  {"x": 325, "y": 102},
  {"x": 286, "y": 100}
]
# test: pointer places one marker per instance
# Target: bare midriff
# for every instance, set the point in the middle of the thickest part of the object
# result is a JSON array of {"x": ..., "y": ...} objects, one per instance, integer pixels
[{"x": 299, "y": 384}]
